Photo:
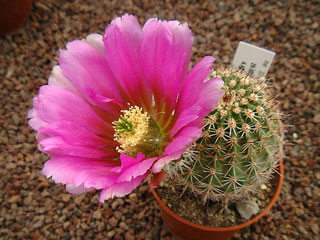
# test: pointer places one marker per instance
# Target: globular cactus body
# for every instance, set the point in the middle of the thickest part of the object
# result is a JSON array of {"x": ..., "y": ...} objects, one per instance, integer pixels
[{"x": 241, "y": 143}]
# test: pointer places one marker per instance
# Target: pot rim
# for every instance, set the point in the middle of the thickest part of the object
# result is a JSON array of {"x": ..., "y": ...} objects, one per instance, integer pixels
[{"x": 235, "y": 227}]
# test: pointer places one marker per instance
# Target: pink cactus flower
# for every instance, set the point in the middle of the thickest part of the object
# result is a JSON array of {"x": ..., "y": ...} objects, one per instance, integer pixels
[{"x": 119, "y": 107}]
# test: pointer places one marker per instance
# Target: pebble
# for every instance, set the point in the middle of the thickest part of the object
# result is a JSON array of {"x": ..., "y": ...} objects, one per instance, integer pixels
[
  {"x": 66, "y": 197},
  {"x": 84, "y": 226},
  {"x": 35, "y": 235},
  {"x": 66, "y": 225},
  {"x": 96, "y": 214},
  {"x": 38, "y": 222},
  {"x": 118, "y": 215},
  {"x": 316, "y": 118},
  {"x": 315, "y": 228},
  {"x": 113, "y": 221},
  {"x": 80, "y": 232},
  {"x": 15, "y": 118},
  {"x": 247, "y": 208},
  {"x": 123, "y": 225},
  {"x": 79, "y": 199},
  {"x": 116, "y": 203},
  {"x": 110, "y": 234},
  {"x": 14, "y": 199},
  {"x": 263, "y": 187}
]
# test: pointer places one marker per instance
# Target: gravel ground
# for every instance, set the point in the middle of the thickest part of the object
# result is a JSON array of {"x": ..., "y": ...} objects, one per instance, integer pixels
[{"x": 32, "y": 207}]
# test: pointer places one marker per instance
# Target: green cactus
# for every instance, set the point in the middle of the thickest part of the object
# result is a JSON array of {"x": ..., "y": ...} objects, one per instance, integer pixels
[{"x": 241, "y": 143}]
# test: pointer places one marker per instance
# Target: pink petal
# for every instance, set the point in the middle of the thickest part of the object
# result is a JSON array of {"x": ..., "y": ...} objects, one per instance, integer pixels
[
  {"x": 177, "y": 146},
  {"x": 183, "y": 140},
  {"x": 166, "y": 50},
  {"x": 122, "y": 43},
  {"x": 77, "y": 189},
  {"x": 121, "y": 189},
  {"x": 78, "y": 171},
  {"x": 211, "y": 94},
  {"x": 194, "y": 83},
  {"x": 127, "y": 161},
  {"x": 35, "y": 122},
  {"x": 158, "y": 166},
  {"x": 96, "y": 41},
  {"x": 136, "y": 170},
  {"x": 56, "y": 146},
  {"x": 185, "y": 118},
  {"x": 77, "y": 135},
  {"x": 55, "y": 104},
  {"x": 58, "y": 79},
  {"x": 90, "y": 73}
]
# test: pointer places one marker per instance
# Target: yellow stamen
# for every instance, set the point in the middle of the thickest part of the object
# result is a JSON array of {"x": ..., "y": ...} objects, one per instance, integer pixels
[{"x": 136, "y": 132}]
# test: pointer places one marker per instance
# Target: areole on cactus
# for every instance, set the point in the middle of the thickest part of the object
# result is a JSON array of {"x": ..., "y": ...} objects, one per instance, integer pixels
[{"x": 241, "y": 143}]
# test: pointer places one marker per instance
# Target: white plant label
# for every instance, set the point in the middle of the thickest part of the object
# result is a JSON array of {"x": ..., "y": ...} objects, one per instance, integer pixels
[{"x": 252, "y": 59}]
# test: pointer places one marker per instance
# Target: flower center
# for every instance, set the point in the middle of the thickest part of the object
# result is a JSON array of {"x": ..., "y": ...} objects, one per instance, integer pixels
[{"x": 137, "y": 132}]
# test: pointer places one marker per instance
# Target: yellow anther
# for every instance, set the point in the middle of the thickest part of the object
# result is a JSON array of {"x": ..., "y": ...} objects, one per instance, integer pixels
[{"x": 136, "y": 132}]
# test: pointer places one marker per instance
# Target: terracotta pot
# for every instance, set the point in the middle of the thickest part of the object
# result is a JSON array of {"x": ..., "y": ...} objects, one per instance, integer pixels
[
  {"x": 13, "y": 13},
  {"x": 185, "y": 230}
]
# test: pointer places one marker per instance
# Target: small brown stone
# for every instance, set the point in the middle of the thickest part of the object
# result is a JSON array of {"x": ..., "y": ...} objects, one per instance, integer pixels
[
  {"x": 316, "y": 118},
  {"x": 15, "y": 199},
  {"x": 35, "y": 235},
  {"x": 96, "y": 214},
  {"x": 315, "y": 228},
  {"x": 110, "y": 234},
  {"x": 113, "y": 221},
  {"x": 66, "y": 197},
  {"x": 79, "y": 199}
]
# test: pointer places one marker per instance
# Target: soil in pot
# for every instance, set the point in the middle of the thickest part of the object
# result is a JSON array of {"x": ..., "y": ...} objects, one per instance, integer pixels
[{"x": 211, "y": 214}]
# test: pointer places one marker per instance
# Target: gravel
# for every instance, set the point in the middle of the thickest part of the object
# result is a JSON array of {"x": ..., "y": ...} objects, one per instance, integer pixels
[{"x": 32, "y": 207}]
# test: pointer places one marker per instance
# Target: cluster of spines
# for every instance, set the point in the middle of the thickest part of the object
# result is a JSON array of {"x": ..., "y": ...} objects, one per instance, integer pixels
[{"x": 241, "y": 143}]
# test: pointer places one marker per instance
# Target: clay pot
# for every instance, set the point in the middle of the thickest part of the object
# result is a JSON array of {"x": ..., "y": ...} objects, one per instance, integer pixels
[
  {"x": 185, "y": 230},
  {"x": 13, "y": 13}
]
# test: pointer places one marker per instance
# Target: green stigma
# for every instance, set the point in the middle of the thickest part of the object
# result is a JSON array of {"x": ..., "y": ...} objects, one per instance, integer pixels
[{"x": 123, "y": 125}]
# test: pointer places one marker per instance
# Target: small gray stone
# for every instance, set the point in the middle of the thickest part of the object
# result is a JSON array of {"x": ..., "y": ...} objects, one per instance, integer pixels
[{"x": 247, "y": 208}]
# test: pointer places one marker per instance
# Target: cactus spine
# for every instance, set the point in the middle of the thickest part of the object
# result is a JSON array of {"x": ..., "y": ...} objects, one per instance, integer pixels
[{"x": 241, "y": 143}]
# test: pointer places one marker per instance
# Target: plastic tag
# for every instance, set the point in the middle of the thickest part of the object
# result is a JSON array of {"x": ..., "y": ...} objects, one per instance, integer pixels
[{"x": 253, "y": 60}]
